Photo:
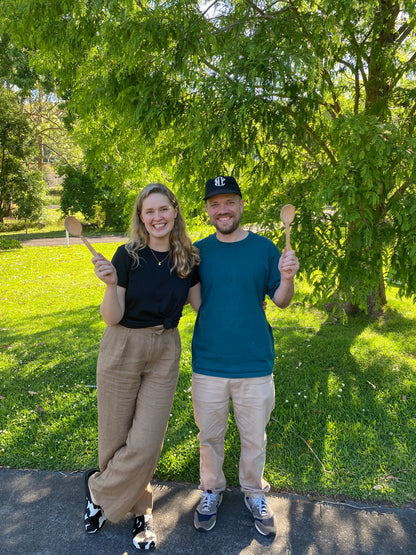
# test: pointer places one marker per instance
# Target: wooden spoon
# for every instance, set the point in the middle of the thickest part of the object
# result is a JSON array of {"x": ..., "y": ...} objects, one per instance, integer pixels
[
  {"x": 287, "y": 215},
  {"x": 74, "y": 227}
]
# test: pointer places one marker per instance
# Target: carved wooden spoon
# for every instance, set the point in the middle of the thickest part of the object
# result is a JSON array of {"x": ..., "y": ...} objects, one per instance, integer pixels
[
  {"x": 287, "y": 215},
  {"x": 74, "y": 227}
]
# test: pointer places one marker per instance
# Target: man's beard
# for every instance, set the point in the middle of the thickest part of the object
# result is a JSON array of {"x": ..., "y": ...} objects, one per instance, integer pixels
[{"x": 235, "y": 223}]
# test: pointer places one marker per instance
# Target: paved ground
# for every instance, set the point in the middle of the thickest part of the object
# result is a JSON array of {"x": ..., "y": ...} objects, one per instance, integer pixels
[
  {"x": 55, "y": 241},
  {"x": 41, "y": 514}
]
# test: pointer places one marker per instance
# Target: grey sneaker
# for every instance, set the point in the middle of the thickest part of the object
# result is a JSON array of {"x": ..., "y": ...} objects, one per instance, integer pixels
[
  {"x": 205, "y": 515},
  {"x": 262, "y": 513}
]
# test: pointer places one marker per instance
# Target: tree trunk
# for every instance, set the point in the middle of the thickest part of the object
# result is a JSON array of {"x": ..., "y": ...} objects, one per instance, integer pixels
[
  {"x": 376, "y": 301},
  {"x": 40, "y": 152}
]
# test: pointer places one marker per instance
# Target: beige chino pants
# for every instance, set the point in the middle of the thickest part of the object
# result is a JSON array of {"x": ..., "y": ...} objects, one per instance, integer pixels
[
  {"x": 137, "y": 373},
  {"x": 253, "y": 402}
]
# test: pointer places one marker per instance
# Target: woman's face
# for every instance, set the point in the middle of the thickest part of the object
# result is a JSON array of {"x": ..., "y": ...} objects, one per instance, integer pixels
[{"x": 158, "y": 216}]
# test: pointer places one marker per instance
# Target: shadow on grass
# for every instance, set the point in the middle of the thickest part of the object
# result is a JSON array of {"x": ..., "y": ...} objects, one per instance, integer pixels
[
  {"x": 338, "y": 423},
  {"x": 47, "y": 383},
  {"x": 48, "y": 412},
  {"x": 341, "y": 428}
]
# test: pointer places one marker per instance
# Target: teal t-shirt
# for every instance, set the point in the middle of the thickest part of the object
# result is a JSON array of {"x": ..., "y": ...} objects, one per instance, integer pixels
[{"x": 232, "y": 337}]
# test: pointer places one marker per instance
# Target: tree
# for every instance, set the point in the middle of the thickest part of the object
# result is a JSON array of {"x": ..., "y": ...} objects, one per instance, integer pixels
[
  {"x": 85, "y": 191},
  {"x": 30, "y": 198},
  {"x": 79, "y": 192},
  {"x": 46, "y": 114},
  {"x": 20, "y": 190},
  {"x": 312, "y": 103},
  {"x": 45, "y": 111},
  {"x": 15, "y": 73}
]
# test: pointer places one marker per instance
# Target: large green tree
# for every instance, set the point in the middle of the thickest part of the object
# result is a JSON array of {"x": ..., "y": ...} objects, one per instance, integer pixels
[
  {"x": 21, "y": 191},
  {"x": 44, "y": 110},
  {"x": 308, "y": 102}
]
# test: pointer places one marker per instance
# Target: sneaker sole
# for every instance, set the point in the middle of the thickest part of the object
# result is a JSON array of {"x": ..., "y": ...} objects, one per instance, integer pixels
[
  {"x": 200, "y": 529},
  {"x": 265, "y": 534},
  {"x": 145, "y": 546}
]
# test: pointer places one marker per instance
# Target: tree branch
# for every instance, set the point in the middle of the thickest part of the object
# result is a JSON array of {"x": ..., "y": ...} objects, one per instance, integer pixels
[{"x": 327, "y": 77}]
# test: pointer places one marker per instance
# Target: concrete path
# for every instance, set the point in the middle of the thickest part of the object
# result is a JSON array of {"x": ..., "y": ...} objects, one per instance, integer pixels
[
  {"x": 41, "y": 513},
  {"x": 56, "y": 241}
]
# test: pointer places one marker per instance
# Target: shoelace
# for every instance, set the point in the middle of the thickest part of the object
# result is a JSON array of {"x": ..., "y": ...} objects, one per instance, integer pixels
[
  {"x": 208, "y": 500},
  {"x": 261, "y": 505}
]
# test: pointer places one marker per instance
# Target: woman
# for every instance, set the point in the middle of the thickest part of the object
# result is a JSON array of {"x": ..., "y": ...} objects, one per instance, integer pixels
[{"x": 147, "y": 284}]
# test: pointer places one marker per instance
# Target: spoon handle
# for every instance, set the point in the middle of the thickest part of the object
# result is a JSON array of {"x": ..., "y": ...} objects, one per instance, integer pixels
[
  {"x": 87, "y": 244},
  {"x": 287, "y": 228}
]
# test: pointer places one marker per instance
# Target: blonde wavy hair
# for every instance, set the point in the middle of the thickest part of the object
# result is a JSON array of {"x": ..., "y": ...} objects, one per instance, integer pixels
[{"x": 181, "y": 251}]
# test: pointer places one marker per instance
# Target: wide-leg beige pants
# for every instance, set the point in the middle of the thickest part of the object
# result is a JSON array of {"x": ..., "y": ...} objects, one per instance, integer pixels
[
  {"x": 253, "y": 402},
  {"x": 137, "y": 373}
]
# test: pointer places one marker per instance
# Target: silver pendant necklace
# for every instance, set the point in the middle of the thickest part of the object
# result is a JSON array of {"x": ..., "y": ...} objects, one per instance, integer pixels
[{"x": 159, "y": 262}]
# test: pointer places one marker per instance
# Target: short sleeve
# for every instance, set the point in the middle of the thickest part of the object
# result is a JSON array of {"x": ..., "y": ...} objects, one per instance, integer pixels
[
  {"x": 274, "y": 272},
  {"x": 122, "y": 263},
  {"x": 195, "y": 276}
]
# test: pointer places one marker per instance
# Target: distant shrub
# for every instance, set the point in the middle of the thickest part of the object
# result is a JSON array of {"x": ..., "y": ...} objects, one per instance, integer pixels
[
  {"x": 8, "y": 243},
  {"x": 12, "y": 225}
]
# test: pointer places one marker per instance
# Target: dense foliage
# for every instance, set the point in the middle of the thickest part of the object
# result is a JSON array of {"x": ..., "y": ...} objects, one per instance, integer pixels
[
  {"x": 20, "y": 190},
  {"x": 308, "y": 102},
  {"x": 29, "y": 98}
]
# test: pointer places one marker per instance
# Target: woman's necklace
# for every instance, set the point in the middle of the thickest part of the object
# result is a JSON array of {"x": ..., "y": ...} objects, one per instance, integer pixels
[{"x": 159, "y": 262}]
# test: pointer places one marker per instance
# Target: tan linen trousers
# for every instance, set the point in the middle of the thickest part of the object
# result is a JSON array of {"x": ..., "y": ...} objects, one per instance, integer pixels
[
  {"x": 137, "y": 373},
  {"x": 253, "y": 402}
]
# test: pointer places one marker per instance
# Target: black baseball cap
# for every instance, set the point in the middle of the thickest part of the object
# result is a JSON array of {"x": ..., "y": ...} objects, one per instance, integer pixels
[{"x": 221, "y": 185}]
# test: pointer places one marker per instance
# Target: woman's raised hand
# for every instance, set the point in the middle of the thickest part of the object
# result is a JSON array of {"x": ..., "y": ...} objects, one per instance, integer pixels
[{"x": 104, "y": 270}]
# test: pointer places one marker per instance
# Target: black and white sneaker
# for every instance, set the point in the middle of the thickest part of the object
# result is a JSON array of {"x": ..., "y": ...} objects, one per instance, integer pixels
[
  {"x": 144, "y": 536},
  {"x": 94, "y": 517}
]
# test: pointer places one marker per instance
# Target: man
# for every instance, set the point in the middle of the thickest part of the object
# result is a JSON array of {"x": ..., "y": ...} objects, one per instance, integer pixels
[{"x": 233, "y": 350}]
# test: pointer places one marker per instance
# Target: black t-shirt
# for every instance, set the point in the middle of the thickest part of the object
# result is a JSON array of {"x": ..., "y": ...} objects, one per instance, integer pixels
[{"x": 154, "y": 294}]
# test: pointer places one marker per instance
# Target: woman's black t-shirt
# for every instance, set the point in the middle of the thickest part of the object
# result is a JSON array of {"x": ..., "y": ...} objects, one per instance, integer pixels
[{"x": 154, "y": 294}]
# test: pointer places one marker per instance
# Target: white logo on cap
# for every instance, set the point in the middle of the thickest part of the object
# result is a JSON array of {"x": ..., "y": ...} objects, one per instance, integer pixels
[{"x": 219, "y": 181}]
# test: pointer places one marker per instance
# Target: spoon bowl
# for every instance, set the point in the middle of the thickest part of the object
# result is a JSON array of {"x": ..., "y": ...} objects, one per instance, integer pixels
[
  {"x": 287, "y": 215},
  {"x": 74, "y": 227}
]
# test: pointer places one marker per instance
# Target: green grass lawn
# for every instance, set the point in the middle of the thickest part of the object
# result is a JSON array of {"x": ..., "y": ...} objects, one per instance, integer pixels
[{"x": 345, "y": 416}]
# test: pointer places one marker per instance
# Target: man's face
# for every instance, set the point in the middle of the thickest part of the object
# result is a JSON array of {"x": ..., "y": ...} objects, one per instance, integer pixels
[{"x": 224, "y": 212}]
